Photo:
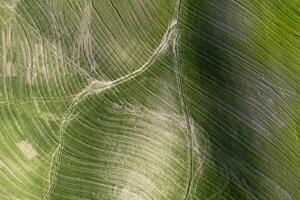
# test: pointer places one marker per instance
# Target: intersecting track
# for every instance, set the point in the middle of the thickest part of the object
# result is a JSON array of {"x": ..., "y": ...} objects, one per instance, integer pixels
[{"x": 96, "y": 87}]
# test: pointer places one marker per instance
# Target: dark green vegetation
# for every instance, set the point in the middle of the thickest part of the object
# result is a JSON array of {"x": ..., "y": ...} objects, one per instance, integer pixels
[{"x": 149, "y": 99}]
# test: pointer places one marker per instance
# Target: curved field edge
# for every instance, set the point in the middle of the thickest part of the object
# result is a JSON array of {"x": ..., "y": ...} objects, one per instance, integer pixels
[{"x": 154, "y": 99}]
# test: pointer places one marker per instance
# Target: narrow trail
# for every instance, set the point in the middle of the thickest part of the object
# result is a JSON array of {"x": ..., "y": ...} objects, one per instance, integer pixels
[
  {"x": 95, "y": 87},
  {"x": 183, "y": 100}
]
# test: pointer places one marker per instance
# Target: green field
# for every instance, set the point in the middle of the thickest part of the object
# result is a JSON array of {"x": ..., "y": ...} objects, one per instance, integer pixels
[{"x": 149, "y": 100}]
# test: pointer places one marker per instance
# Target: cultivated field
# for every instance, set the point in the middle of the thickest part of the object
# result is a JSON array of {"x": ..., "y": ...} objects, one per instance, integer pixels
[{"x": 149, "y": 100}]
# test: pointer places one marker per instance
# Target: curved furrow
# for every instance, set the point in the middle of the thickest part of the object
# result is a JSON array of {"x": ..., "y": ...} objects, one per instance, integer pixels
[{"x": 138, "y": 99}]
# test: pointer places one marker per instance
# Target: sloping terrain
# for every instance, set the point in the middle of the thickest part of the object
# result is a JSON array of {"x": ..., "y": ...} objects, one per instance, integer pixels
[{"x": 149, "y": 99}]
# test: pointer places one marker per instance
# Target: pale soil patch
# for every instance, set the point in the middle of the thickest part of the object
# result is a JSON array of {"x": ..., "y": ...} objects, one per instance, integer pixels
[
  {"x": 84, "y": 37},
  {"x": 27, "y": 149},
  {"x": 1, "y": 164},
  {"x": 47, "y": 116},
  {"x": 126, "y": 193},
  {"x": 10, "y": 70},
  {"x": 134, "y": 193}
]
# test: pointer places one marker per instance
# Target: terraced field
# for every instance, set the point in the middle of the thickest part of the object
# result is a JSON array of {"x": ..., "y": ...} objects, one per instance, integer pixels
[{"x": 149, "y": 100}]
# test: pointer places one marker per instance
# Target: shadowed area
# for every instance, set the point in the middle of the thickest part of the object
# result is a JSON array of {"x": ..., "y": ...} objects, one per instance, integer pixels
[
  {"x": 139, "y": 99},
  {"x": 244, "y": 97}
]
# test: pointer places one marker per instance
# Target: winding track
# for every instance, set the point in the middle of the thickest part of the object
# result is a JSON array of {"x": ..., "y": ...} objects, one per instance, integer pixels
[{"x": 96, "y": 87}]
